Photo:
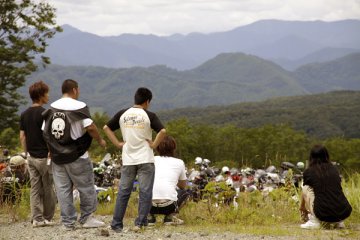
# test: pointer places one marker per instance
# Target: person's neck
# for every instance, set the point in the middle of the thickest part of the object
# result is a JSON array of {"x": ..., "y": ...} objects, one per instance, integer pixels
[
  {"x": 66, "y": 95},
  {"x": 143, "y": 106},
  {"x": 37, "y": 104}
]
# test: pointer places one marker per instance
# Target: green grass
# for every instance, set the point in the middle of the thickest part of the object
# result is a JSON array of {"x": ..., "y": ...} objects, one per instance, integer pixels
[{"x": 274, "y": 214}]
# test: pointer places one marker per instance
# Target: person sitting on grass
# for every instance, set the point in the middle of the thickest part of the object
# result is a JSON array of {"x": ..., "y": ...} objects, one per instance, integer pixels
[
  {"x": 323, "y": 201},
  {"x": 170, "y": 173}
]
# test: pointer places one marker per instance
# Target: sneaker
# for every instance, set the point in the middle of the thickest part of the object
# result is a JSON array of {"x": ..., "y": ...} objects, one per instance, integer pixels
[
  {"x": 38, "y": 223},
  {"x": 172, "y": 220},
  {"x": 151, "y": 220},
  {"x": 313, "y": 223},
  {"x": 92, "y": 222},
  {"x": 339, "y": 225},
  {"x": 49, "y": 222}
]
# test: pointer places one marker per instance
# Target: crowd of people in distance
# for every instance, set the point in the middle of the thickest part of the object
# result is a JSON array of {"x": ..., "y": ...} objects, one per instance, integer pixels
[{"x": 56, "y": 160}]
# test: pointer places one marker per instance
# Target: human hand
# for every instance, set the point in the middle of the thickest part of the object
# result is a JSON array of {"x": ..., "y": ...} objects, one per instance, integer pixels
[
  {"x": 120, "y": 145},
  {"x": 102, "y": 143},
  {"x": 151, "y": 143}
]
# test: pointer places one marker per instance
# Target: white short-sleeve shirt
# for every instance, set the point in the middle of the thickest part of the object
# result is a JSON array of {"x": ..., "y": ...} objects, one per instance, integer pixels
[{"x": 168, "y": 171}]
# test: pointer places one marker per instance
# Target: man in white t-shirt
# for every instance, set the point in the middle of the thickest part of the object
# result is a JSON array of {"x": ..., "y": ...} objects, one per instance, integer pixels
[
  {"x": 136, "y": 125},
  {"x": 170, "y": 174},
  {"x": 68, "y": 131}
]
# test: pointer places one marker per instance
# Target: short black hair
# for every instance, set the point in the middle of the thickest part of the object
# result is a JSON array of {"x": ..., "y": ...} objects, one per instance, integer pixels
[
  {"x": 68, "y": 86},
  {"x": 142, "y": 95}
]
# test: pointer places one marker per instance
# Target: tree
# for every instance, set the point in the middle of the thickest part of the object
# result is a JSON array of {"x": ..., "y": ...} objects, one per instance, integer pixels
[{"x": 25, "y": 26}]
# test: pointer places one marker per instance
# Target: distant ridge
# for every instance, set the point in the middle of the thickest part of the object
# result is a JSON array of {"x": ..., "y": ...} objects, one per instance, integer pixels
[
  {"x": 340, "y": 74},
  {"x": 333, "y": 114},
  {"x": 226, "y": 79},
  {"x": 286, "y": 42}
]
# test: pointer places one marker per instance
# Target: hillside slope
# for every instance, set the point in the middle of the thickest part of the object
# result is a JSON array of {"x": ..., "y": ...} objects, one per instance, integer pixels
[
  {"x": 321, "y": 115},
  {"x": 226, "y": 79}
]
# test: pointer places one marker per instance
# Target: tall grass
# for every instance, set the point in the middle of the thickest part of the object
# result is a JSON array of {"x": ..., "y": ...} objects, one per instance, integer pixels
[
  {"x": 351, "y": 189},
  {"x": 20, "y": 209}
]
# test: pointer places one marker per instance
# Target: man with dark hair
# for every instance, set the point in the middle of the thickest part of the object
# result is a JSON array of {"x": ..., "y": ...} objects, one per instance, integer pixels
[
  {"x": 170, "y": 173},
  {"x": 68, "y": 131},
  {"x": 34, "y": 146},
  {"x": 136, "y": 125}
]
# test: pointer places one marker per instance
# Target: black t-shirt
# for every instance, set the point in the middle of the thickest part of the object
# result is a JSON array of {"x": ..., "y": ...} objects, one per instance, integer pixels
[
  {"x": 330, "y": 203},
  {"x": 30, "y": 122}
]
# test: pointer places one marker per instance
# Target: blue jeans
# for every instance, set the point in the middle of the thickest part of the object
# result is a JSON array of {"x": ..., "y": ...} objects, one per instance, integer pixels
[
  {"x": 78, "y": 174},
  {"x": 145, "y": 173}
]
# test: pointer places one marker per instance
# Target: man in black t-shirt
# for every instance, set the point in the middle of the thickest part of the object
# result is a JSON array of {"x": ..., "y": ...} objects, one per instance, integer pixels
[{"x": 33, "y": 144}]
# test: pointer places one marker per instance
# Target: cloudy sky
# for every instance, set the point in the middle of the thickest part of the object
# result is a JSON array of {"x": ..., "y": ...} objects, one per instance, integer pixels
[{"x": 166, "y": 17}]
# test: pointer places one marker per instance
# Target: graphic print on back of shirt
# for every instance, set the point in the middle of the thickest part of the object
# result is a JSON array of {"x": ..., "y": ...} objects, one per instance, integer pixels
[
  {"x": 134, "y": 121},
  {"x": 58, "y": 125}
]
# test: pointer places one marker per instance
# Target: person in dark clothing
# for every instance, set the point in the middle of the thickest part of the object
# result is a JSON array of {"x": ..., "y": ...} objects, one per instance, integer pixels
[
  {"x": 323, "y": 200},
  {"x": 68, "y": 132},
  {"x": 33, "y": 144}
]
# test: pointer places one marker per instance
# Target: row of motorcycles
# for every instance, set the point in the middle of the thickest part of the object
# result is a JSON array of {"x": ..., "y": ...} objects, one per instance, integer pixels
[
  {"x": 203, "y": 176},
  {"x": 241, "y": 180}
]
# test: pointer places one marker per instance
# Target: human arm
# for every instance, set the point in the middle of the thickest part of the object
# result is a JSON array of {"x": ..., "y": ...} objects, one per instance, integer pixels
[
  {"x": 22, "y": 137},
  {"x": 159, "y": 137},
  {"x": 112, "y": 137},
  {"x": 181, "y": 184},
  {"x": 94, "y": 133}
]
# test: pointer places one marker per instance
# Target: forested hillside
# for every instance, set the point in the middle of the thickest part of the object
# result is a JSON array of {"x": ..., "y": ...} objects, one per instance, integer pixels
[
  {"x": 339, "y": 74},
  {"x": 225, "y": 79},
  {"x": 322, "y": 115}
]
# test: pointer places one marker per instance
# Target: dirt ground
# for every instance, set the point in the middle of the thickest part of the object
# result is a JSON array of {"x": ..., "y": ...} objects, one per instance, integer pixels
[{"x": 24, "y": 230}]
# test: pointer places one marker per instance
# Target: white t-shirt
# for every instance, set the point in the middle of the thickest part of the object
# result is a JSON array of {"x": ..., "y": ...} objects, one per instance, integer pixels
[
  {"x": 136, "y": 127},
  {"x": 168, "y": 171},
  {"x": 78, "y": 127}
]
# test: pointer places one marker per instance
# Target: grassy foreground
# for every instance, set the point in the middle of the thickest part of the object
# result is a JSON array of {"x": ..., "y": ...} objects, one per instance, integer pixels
[{"x": 275, "y": 214}]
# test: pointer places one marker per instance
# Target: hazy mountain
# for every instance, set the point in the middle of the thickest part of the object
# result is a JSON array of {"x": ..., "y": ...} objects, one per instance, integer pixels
[
  {"x": 280, "y": 41},
  {"x": 342, "y": 73},
  {"x": 228, "y": 78},
  {"x": 323, "y": 55}
]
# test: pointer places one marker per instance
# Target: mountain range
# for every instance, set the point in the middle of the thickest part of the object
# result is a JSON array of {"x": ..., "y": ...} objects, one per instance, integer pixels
[
  {"x": 290, "y": 44},
  {"x": 225, "y": 79},
  {"x": 332, "y": 114}
]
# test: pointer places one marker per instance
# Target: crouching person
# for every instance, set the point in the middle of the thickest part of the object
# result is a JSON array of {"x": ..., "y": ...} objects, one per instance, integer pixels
[
  {"x": 169, "y": 174},
  {"x": 13, "y": 180},
  {"x": 323, "y": 202}
]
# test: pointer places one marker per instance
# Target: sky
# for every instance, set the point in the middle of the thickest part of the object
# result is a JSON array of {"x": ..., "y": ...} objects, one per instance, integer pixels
[{"x": 166, "y": 17}]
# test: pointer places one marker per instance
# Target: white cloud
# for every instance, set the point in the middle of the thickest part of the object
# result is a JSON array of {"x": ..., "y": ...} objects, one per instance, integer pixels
[{"x": 164, "y": 17}]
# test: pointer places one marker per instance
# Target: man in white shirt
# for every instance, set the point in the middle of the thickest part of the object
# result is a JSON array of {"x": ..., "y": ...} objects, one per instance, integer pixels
[
  {"x": 68, "y": 131},
  {"x": 170, "y": 173},
  {"x": 136, "y": 125}
]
